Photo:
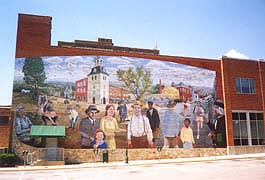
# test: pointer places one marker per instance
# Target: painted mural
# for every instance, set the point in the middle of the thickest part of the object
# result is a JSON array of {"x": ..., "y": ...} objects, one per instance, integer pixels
[{"x": 101, "y": 98}]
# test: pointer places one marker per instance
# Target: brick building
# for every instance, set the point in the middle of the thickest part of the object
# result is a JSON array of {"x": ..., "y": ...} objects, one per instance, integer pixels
[
  {"x": 118, "y": 94},
  {"x": 5, "y": 126},
  {"x": 185, "y": 92},
  {"x": 81, "y": 91},
  {"x": 239, "y": 83}
]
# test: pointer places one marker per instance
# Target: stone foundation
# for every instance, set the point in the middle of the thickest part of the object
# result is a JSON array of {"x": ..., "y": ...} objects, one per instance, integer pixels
[
  {"x": 87, "y": 155},
  {"x": 235, "y": 150}
]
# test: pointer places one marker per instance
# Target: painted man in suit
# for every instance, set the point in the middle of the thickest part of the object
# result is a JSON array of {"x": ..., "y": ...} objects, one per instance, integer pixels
[
  {"x": 88, "y": 127},
  {"x": 154, "y": 120},
  {"x": 218, "y": 128}
]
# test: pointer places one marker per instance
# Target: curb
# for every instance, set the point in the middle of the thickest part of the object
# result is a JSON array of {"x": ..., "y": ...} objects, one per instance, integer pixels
[{"x": 134, "y": 163}]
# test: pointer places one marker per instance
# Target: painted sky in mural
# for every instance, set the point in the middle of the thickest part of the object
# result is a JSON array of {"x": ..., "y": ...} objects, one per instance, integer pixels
[{"x": 72, "y": 68}]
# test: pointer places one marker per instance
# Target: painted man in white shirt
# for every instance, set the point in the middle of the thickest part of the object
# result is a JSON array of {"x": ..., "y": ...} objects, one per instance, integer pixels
[
  {"x": 73, "y": 116},
  {"x": 139, "y": 130}
]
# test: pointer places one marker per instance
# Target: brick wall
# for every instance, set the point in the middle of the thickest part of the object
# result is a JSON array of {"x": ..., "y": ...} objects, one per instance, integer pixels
[
  {"x": 233, "y": 68},
  {"x": 5, "y": 129},
  {"x": 117, "y": 92}
]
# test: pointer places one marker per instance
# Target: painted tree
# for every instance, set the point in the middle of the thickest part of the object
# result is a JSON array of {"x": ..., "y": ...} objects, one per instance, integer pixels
[
  {"x": 34, "y": 74},
  {"x": 137, "y": 80}
]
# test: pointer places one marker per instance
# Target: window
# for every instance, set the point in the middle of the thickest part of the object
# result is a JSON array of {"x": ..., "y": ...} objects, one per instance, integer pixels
[
  {"x": 92, "y": 78},
  {"x": 95, "y": 77},
  {"x": 256, "y": 126},
  {"x": 248, "y": 128},
  {"x": 4, "y": 120},
  {"x": 245, "y": 86},
  {"x": 240, "y": 128}
]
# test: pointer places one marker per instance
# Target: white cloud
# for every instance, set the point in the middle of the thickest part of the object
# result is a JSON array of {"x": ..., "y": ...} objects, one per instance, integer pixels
[
  {"x": 117, "y": 60},
  {"x": 125, "y": 67},
  {"x": 235, "y": 54},
  {"x": 88, "y": 60},
  {"x": 130, "y": 59},
  {"x": 85, "y": 68},
  {"x": 56, "y": 67},
  {"x": 53, "y": 60},
  {"x": 73, "y": 59},
  {"x": 71, "y": 65},
  {"x": 18, "y": 74},
  {"x": 111, "y": 70}
]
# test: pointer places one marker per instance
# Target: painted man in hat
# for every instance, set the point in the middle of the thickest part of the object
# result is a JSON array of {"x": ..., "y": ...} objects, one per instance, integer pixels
[
  {"x": 88, "y": 127},
  {"x": 154, "y": 120},
  {"x": 23, "y": 125},
  {"x": 171, "y": 126},
  {"x": 218, "y": 128},
  {"x": 72, "y": 115}
]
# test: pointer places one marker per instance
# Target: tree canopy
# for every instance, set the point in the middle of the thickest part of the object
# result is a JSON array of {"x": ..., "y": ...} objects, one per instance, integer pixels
[
  {"x": 34, "y": 73},
  {"x": 137, "y": 80}
]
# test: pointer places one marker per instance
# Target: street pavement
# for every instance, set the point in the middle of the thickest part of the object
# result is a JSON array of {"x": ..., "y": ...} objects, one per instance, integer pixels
[{"x": 241, "y": 167}]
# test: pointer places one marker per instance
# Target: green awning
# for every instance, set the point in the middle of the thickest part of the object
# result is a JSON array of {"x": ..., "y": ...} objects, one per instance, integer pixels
[{"x": 47, "y": 131}]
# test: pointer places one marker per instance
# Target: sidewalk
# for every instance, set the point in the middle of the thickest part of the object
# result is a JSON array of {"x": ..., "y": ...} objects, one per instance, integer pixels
[{"x": 134, "y": 163}]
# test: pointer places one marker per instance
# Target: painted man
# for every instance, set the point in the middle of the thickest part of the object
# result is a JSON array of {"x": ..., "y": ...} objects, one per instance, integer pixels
[
  {"x": 72, "y": 116},
  {"x": 154, "y": 120},
  {"x": 88, "y": 127},
  {"x": 23, "y": 125},
  {"x": 218, "y": 128},
  {"x": 139, "y": 130},
  {"x": 171, "y": 126}
]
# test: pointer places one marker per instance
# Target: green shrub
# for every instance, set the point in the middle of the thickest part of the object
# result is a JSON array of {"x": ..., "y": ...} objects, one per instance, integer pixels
[{"x": 8, "y": 160}]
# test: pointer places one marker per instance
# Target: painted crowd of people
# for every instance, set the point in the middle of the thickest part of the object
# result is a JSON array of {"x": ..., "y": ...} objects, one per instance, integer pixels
[{"x": 143, "y": 128}]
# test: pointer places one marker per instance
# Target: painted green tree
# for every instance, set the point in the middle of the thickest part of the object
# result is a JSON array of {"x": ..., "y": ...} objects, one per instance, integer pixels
[
  {"x": 34, "y": 73},
  {"x": 137, "y": 80}
]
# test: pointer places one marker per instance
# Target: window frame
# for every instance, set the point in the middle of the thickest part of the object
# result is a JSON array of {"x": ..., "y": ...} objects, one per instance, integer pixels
[
  {"x": 251, "y": 89},
  {"x": 249, "y": 138}
]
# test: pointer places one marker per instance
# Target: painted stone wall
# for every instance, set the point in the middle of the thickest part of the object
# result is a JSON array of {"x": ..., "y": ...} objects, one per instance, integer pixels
[{"x": 86, "y": 155}]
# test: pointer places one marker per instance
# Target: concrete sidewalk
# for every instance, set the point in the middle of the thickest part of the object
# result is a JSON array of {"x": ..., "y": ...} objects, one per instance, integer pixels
[{"x": 134, "y": 163}]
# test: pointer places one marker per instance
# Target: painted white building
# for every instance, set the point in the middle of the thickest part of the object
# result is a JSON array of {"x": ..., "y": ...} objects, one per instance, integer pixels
[{"x": 98, "y": 83}]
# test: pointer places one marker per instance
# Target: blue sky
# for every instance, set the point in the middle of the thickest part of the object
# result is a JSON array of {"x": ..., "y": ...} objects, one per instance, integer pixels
[{"x": 196, "y": 28}]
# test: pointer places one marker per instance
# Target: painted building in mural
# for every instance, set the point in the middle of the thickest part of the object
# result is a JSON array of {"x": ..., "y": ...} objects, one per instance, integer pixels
[
  {"x": 81, "y": 86},
  {"x": 98, "y": 83},
  {"x": 185, "y": 92},
  {"x": 94, "y": 89}
]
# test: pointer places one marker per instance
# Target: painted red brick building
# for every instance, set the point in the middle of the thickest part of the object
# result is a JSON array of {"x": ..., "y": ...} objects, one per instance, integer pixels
[
  {"x": 239, "y": 83},
  {"x": 81, "y": 92},
  {"x": 185, "y": 92}
]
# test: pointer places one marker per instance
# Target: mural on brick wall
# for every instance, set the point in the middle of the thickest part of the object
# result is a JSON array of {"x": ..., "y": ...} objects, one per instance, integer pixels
[{"x": 101, "y": 98}]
